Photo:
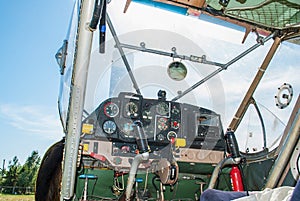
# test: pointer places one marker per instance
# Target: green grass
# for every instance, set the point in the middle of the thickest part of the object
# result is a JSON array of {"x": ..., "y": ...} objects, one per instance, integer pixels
[{"x": 6, "y": 197}]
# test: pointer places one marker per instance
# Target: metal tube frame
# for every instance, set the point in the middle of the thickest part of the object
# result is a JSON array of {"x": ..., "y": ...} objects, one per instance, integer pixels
[
  {"x": 285, "y": 153},
  {"x": 77, "y": 96},
  {"x": 248, "y": 96},
  {"x": 119, "y": 47},
  {"x": 191, "y": 58}
]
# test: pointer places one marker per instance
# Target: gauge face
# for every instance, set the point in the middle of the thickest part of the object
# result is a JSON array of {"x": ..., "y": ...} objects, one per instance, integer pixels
[
  {"x": 175, "y": 110},
  {"x": 111, "y": 109},
  {"x": 171, "y": 135},
  {"x": 162, "y": 123},
  {"x": 109, "y": 127},
  {"x": 162, "y": 108},
  {"x": 161, "y": 137},
  {"x": 128, "y": 130},
  {"x": 131, "y": 109},
  {"x": 175, "y": 124},
  {"x": 177, "y": 71},
  {"x": 125, "y": 149}
]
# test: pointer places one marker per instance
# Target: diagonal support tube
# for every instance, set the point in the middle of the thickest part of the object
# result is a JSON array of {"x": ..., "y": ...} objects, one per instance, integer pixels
[
  {"x": 119, "y": 47},
  {"x": 261, "y": 71},
  {"x": 223, "y": 67}
]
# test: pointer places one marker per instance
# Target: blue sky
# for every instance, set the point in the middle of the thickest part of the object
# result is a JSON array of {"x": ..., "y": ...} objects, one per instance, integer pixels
[{"x": 31, "y": 33}]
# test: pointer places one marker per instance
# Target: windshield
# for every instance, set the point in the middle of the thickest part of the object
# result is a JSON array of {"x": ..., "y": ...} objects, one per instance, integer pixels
[
  {"x": 66, "y": 73},
  {"x": 164, "y": 51}
]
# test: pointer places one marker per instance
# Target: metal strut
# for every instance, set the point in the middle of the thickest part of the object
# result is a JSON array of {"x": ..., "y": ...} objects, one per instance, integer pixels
[
  {"x": 245, "y": 103},
  {"x": 119, "y": 47},
  {"x": 223, "y": 67}
]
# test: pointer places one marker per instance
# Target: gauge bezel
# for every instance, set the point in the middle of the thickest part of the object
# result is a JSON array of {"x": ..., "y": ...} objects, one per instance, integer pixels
[
  {"x": 177, "y": 71},
  {"x": 109, "y": 122},
  {"x": 162, "y": 108},
  {"x": 175, "y": 110},
  {"x": 115, "y": 112},
  {"x": 131, "y": 109},
  {"x": 127, "y": 130},
  {"x": 171, "y": 135},
  {"x": 162, "y": 123},
  {"x": 175, "y": 124}
]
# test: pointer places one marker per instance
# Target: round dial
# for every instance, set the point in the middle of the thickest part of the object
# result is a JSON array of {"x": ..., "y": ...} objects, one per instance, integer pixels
[
  {"x": 111, "y": 109},
  {"x": 160, "y": 137},
  {"x": 131, "y": 109},
  {"x": 175, "y": 124},
  {"x": 109, "y": 127},
  {"x": 162, "y": 108},
  {"x": 171, "y": 135},
  {"x": 128, "y": 130},
  {"x": 162, "y": 123},
  {"x": 177, "y": 71},
  {"x": 175, "y": 110}
]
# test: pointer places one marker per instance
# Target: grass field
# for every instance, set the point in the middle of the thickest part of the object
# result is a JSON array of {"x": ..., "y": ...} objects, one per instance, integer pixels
[{"x": 4, "y": 197}]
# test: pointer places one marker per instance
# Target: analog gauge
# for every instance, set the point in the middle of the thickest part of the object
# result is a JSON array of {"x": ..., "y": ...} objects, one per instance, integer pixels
[
  {"x": 147, "y": 116},
  {"x": 171, "y": 135},
  {"x": 175, "y": 124},
  {"x": 160, "y": 137},
  {"x": 175, "y": 110},
  {"x": 111, "y": 109},
  {"x": 177, "y": 71},
  {"x": 128, "y": 130},
  {"x": 162, "y": 108},
  {"x": 131, "y": 109},
  {"x": 162, "y": 123},
  {"x": 109, "y": 127},
  {"x": 125, "y": 149}
]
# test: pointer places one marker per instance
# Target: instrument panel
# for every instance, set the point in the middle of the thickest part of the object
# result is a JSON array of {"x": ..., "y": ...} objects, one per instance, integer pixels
[
  {"x": 165, "y": 123},
  {"x": 115, "y": 117}
]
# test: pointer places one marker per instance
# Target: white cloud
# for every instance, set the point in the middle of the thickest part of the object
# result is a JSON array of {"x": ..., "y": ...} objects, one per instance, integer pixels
[{"x": 36, "y": 120}]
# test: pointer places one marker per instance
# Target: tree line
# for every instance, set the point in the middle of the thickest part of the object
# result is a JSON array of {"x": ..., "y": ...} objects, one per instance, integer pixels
[{"x": 17, "y": 178}]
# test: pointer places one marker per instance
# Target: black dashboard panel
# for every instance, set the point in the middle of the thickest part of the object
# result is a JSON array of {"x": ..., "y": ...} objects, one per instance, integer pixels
[{"x": 164, "y": 122}]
